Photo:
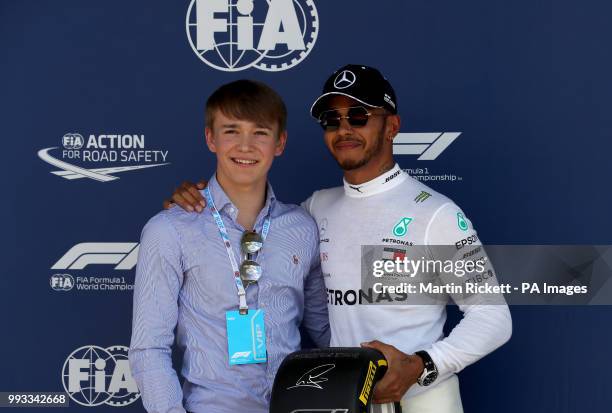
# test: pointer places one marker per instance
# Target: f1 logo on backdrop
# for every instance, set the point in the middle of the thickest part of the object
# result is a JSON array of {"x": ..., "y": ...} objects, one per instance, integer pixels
[
  {"x": 428, "y": 145},
  {"x": 123, "y": 254},
  {"x": 93, "y": 376},
  {"x": 234, "y": 35}
]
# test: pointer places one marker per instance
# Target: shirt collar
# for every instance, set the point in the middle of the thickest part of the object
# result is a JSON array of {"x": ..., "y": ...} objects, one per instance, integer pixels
[
  {"x": 223, "y": 203},
  {"x": 381, "y": 183}
]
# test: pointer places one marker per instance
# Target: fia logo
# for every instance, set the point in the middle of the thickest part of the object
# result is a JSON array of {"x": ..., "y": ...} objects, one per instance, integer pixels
[
  {"x": 73, "y": 141},
  {"x": 61, "y": 282},
  {"x": 234, "y": 35},
  {"x": 93, "y": 376}
]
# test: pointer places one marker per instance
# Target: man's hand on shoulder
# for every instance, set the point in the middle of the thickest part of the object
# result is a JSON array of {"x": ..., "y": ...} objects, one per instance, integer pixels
[
  {"x": 188, "y": 197},
  {"x": 402, "y": 372}
]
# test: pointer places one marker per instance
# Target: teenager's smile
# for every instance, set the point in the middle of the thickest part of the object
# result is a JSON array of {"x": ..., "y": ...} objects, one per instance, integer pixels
[{"x": 243, "y": 162}]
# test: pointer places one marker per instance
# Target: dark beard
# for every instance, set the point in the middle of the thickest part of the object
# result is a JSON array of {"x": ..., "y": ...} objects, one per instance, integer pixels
[{"x": 349, "y": 165}]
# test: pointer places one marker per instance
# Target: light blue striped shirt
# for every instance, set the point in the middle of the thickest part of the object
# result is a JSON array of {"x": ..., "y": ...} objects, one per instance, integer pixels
[{"x": 184, "y": 280}]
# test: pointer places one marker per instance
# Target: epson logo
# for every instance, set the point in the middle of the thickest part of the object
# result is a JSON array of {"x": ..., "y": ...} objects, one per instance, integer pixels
[
  {"x": 428, "y": 145},
  {"x": 270, "y": 35},
  {"x": 466, "y": 241}
]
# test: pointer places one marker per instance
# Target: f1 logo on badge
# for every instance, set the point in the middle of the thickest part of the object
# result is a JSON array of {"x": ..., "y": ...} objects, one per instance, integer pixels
[
  {"x": 240, "y": 354},
  {"x": 428, "y": 145},
  {"x": 124, "y": 254}
]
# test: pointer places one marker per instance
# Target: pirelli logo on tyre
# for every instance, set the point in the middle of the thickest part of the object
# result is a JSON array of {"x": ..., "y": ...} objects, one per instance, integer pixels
[{"x": 367, "y": 385}]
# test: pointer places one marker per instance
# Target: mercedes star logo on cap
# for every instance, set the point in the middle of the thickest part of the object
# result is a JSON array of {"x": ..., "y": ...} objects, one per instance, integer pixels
[{"x": 345, "y": 79}]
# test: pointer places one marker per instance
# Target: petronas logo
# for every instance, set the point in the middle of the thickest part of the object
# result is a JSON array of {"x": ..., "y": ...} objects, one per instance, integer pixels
[
  {"x": 461, "y": 223},
  {"x": 401, "y": 228},
  {"x": 422, "y": 197}
]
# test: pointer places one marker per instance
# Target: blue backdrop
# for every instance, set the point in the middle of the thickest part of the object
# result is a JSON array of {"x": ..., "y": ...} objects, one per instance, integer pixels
[{"x": 526, "y": 83}]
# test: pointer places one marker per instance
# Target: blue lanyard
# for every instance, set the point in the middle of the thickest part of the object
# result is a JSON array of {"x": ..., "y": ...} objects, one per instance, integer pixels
[{"x": 228, "y": 246}]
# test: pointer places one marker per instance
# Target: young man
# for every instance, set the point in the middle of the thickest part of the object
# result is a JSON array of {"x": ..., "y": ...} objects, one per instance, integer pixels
[
  {"x": 358, "y": 112},
  {"x": 236, "y": 319}
]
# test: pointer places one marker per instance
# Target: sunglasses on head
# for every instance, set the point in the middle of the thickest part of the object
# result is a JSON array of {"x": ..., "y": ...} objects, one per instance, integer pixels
[{"x": 357, "y": 117}]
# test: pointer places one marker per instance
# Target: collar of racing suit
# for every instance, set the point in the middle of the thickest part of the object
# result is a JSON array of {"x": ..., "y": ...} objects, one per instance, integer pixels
[{"x": 381, "y": 183}]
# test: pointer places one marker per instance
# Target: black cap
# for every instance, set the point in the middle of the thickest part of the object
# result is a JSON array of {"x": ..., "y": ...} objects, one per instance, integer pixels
[{"x": 363, "y": 83}]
